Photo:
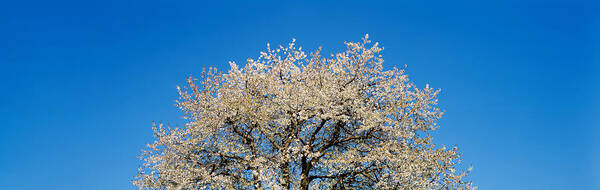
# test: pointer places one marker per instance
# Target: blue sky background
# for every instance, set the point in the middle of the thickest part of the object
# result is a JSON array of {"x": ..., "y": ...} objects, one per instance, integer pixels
[{"x": 83, "y": 81}]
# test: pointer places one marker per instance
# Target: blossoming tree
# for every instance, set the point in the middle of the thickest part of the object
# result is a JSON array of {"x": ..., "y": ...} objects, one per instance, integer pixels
[{"x": 289, "y": 120}]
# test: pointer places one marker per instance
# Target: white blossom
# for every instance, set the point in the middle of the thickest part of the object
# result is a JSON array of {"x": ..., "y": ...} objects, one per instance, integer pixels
[{"x": 291, "y": 120}]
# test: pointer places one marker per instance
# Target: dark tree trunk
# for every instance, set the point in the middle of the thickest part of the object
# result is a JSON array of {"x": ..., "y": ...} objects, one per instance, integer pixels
[
  {"x": 285, "y": 168},
  {"x": 304, "y": 178}
]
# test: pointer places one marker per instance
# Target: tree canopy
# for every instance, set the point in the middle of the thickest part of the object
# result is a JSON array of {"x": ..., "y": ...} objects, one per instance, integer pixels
[{"x": 291, "y": 120}]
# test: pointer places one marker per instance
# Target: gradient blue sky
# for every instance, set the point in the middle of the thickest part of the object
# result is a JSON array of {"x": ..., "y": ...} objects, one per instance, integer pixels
[{"x": 83, "y": 81}]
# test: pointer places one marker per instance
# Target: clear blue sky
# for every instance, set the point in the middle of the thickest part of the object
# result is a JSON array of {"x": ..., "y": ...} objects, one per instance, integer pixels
[{"x": 83, "y": 81}]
